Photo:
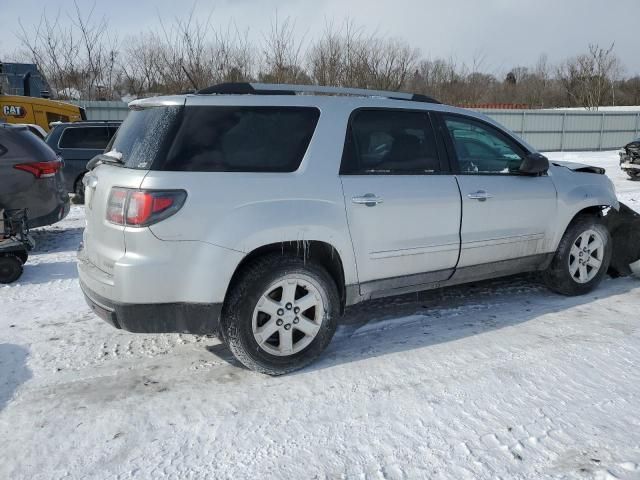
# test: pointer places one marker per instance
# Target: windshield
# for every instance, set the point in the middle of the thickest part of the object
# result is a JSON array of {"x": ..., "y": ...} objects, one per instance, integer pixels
[{"x": 144, "y": 135}]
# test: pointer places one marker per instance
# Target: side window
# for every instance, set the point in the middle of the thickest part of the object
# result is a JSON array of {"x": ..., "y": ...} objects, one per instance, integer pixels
[
  {"x": 481, "y": 148},
  {"x": 241, "y": 139},
  {"x": 3, "y": 150},
  {"x": 56, "y": 117},
  {"x": 390, "y": 142},
  {"x": 87, "y": 137}
]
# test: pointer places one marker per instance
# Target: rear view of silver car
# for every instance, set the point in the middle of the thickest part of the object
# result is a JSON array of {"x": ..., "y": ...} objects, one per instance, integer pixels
[{"x": 261, "y": 211}]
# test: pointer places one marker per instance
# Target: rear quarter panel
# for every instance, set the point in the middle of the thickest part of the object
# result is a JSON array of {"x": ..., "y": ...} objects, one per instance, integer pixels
[{"x": 244, "y": 211}]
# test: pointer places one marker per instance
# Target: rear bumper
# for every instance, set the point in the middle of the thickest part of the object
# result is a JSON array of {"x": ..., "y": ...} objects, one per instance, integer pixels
[
  {"x": 60, "y": 212},
  {"x": 196, "y": 318}
]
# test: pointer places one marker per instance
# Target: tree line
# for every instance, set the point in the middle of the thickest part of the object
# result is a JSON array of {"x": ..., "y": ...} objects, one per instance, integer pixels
[{"x": 81, "y": 59}]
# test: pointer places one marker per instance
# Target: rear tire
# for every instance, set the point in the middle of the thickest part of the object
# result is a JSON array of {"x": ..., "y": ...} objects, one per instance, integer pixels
[
  {"x": 10, "y": 268},
  {"x": 280, "y": 314},
  {"x": 633, "y": 175},
  {"x": 23, "y": 256},
  {"x": 582, "y": 258}
]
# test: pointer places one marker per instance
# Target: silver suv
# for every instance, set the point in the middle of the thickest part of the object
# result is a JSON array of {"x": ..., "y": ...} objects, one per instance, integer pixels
[{"x": 261, "y": 211}]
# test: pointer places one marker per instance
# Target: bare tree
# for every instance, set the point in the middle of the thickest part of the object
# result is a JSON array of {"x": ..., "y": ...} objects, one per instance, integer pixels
[
  {"x": 78, "y": 59},
  {"x": 588, "y": 78},
  {"x": 282, "y": 61},
  {"x": 327, "y": 57},
  {"x": 346, "y": 57}
]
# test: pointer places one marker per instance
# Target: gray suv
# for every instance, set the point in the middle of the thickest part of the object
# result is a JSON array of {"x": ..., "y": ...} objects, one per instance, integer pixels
[
  {"x": 31, "y": 177},
  {"x": 262, "y": 211}
]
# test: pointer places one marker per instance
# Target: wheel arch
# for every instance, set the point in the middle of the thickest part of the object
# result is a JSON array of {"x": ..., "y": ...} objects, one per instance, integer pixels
[
  {"x": 78, "y": 179},
  {"x": 317, "y": 251},
  {"x": 591, "y": 210}
]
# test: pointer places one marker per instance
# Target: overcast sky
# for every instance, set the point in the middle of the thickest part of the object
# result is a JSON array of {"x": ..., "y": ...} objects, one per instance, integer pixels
[{"x": 505, "y": 33}]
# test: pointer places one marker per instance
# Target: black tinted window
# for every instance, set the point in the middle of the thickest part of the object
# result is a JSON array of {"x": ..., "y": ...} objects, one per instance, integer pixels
[
  {"x": 390, "y": 142},
  {"x": 241, "y": 139},
  {"x": 2, "y": 150},
  {"x": 85, "y": 137}
]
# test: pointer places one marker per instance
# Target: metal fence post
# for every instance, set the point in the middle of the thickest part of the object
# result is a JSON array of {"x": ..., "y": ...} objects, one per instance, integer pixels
[
  {"x": 601, "y": 131},
  {"x": 564, "y": 120},
  {"x": 637, "y": 124}
]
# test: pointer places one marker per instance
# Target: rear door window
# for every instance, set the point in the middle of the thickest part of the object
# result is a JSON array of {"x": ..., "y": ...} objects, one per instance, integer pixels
[
  {"x": 241, "y": 139},
  {"x": 390, "y": 142},
  {"x": 95, "y": 138}
]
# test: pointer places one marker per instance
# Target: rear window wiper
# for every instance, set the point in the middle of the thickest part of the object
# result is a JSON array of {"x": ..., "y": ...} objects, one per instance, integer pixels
[{"x": 112, "y": 156}]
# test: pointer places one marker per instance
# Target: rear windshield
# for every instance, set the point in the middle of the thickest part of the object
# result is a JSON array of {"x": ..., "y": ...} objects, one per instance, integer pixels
[
  {"x": 144, "y": 135},
  {"x": 218, "y": 139}
]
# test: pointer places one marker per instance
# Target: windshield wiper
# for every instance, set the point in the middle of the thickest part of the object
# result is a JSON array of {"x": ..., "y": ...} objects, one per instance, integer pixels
[{"x": 113, "y": 157}]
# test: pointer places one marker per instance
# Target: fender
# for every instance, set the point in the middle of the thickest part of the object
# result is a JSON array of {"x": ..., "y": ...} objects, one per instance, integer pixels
[{"x": 577, "y": 191}]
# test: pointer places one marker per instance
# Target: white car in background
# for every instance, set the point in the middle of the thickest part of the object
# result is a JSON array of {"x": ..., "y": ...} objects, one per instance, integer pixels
[{"x": 262, "y": 211}]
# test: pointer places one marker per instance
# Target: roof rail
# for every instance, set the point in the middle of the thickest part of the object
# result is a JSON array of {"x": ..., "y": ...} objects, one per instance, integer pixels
[{"x": 246, "y": 88}]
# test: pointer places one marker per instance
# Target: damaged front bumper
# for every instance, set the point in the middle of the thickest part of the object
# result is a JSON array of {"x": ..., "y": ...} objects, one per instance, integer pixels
[{"x": 624, "y": 226}]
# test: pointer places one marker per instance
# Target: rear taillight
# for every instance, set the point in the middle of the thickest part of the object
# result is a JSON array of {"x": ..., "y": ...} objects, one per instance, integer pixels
[
  {"x": 40, "y": 169},
  {"x": 141, "y": 208}
]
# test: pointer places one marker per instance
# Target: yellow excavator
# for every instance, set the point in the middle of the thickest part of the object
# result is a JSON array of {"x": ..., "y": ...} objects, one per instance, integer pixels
[{"x": 37, "y": 111}]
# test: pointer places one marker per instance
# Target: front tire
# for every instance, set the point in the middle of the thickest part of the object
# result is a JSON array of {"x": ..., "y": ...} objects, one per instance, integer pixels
[
  {"x": 633, "y": 175},
  {"x": 582, "y": 258},
  {"x": 280, "y": 314}
]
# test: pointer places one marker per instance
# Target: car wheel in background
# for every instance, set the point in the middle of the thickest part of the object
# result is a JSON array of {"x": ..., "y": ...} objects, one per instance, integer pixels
[
  {"x": 280, "y": 314},
  {"x": 78, "y": 190},
  {"x": 633, "y": 175},
  {"x": 582, "y": 258},
  {"x": 10, "y": 268}
]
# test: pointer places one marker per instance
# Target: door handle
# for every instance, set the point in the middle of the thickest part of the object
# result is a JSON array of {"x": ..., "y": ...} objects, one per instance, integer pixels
[
  {"x": 368, "y": 199},
  {"x": 480, "y": 195}
]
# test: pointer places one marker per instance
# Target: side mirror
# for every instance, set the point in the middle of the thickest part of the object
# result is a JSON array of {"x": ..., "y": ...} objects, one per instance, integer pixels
[{"x": 534, "y": 164}]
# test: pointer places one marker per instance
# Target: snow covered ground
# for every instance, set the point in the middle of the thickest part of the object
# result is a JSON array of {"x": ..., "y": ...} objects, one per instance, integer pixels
[{"x": 500, "y": 379}]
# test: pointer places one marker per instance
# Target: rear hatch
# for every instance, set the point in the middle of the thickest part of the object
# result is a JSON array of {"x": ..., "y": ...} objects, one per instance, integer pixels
[
  {"x": 104, "y": 241},
  {"x": 129, "y": 156}
]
